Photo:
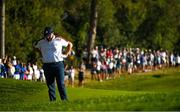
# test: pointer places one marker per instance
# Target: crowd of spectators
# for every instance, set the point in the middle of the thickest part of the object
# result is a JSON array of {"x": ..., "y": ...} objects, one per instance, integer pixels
[
  {"x": 16, "y": 69},
  {"x": 107, "y": 63}
]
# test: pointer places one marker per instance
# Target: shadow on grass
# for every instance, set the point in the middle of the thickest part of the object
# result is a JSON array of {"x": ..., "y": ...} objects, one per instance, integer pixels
[{"x": 158, "y": 75}]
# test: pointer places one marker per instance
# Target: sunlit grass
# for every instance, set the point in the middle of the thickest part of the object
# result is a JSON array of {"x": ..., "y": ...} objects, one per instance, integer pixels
[{"x": 158, "y": 90}]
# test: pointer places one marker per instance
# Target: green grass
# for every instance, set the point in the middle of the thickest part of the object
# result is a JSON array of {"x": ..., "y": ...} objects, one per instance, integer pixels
[{"x": 159, "y": 90}]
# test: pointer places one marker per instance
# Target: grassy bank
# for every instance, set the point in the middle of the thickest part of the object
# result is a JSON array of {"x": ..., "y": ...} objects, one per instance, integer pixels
[{"x": 159, "y": 90}]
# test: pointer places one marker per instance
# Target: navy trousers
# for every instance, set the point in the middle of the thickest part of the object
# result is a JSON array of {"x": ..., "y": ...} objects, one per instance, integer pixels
[{"x": 54, "y": 71}]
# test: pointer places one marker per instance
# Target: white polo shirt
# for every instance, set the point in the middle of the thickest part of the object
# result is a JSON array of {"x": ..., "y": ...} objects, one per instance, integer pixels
[{"x": 51, "y": 50}]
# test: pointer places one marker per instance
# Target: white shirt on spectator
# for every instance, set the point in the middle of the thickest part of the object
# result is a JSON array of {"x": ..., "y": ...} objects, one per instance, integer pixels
[
  {"x": 30, "y": 73},
  {"x": 11, "y": 71},
  {"x": 72, "y": 73},
  {"x": 98, "y": 65},
  {"x": 178, "y": 59},
  {"x": 111, "y": 65},
  {"x": 94, "y": 53},
  {"x": 36, "y": 71}
]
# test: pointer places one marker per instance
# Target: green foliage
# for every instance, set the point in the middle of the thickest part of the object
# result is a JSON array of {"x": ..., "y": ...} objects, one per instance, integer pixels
[
  {"x": 76, "y": 21},
  {"x": 82, "y": 35},
  {"x": 25, "y": 20},
  {"x": 110, "y": 34},
  {"x": 125, "y": 23},
  {"x": 106, "y": 12}
]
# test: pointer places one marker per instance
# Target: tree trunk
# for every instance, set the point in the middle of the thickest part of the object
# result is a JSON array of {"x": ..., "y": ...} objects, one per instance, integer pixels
[
  {"x": 2, "y": 29},
  {"x": 92, "y": 30}
]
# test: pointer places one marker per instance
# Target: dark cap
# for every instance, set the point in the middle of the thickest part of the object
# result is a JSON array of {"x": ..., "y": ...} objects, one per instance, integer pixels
[{"x": 47, "y": 31}]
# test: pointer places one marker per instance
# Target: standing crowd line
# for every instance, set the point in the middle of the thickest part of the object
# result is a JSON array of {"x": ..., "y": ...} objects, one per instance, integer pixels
[
  {"x": 16, "y": 69},
  {"x": 70, "y": 73},
  {"x": 105, "y": 64},
  {"x": 108, "y": 63}
]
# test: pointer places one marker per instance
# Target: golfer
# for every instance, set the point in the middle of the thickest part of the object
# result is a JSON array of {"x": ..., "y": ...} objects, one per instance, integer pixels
[{"x": 50, "y": 48}]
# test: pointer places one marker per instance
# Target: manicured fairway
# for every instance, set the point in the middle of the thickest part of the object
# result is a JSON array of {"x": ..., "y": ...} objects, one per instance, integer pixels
[{"x": 159, "y": 90}]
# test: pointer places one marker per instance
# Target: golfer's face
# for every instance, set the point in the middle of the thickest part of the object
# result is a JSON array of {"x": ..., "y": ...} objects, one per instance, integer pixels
[{"x": 49, "y": 37}]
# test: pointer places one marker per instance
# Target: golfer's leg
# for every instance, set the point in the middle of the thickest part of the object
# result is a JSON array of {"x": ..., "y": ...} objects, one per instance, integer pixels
[
  {"x": 50, "y": 81},
  {"x": 60, "y": 81}
]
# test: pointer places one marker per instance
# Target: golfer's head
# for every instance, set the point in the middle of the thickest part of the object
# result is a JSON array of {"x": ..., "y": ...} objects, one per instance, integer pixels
[{"x": 48, "y": 33}]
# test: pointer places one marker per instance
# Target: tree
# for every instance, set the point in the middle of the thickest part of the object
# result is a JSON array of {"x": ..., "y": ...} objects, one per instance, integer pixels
[
  {"x": 25, "y": 22},
  {"x": 2, "y": 29},
  {"x": 93, "y": 25},
  {"x": 121, "y": 23}
]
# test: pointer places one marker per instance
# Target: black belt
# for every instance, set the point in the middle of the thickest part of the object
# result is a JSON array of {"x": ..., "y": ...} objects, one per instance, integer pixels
[{"x": 50, "y": 63}]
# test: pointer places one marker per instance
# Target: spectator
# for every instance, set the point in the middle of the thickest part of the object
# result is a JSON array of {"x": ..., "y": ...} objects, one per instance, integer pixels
[
  {"x": 42, "y": 77},
  {"x": 17, "y": 70},
  {"x": 172, "y": 60},
  {"x": 95, "y": 54},
  {"x": 14, "y": 61},
  {"x": 66, "y": 75},
  {"x": 11, "y": 70},
  {"x": 93, "y": 71},
  {"x": 85, "y": 56},
  {"x": 110, "y": 70},
  {"x": 36, "y": 74},
  {"x": 2, "y": 69},
  {"x": 24, "y": 72},
  {"x": 81, "y": 74},
  {"x": 104, "y": 71},
  {"x": 99, "y": 70},
  {"x": 30, "y": 71},
  {"x": 72, "y": 74},
  {"x": 177, "y": 60}
]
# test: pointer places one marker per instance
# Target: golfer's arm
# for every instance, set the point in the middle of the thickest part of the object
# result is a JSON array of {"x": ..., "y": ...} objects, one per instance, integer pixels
[{"x": 69, "y": 48}]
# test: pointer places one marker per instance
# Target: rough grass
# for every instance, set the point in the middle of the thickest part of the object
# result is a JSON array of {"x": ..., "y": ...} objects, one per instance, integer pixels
[{"x": 159, "y": 90}]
